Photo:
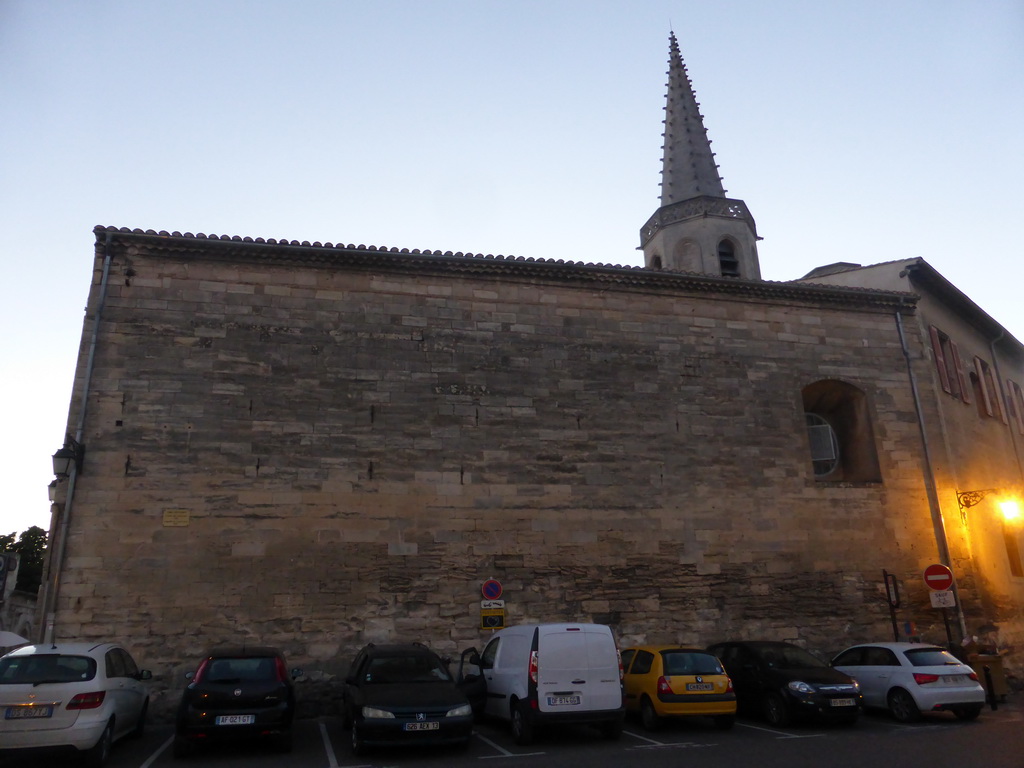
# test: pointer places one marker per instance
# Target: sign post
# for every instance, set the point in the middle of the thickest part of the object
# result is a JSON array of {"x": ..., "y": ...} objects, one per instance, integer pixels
[
  {"x": 892, "y": 593},
  {"x": 492, "y": 608},
  {"x": 939, "y": 579}
]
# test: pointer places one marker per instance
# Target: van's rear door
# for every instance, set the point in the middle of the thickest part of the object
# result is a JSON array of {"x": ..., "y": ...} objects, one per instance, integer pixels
[{"x": 578, "y": 668}]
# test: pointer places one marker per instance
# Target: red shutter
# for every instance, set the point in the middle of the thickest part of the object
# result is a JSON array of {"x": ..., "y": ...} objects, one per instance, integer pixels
[
  {"x": 940, "y": 359},
  {"x": 986, "y": 404},
  {"x": 965, "y": 381},
  {"x": 1013, "y": 397}
]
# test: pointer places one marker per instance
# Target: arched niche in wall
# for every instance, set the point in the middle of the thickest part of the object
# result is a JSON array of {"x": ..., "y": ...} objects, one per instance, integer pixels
[{"x": 840, "y": 432}]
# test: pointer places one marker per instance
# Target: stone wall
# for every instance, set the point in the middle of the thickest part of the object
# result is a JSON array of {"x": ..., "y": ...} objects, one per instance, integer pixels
[{"x": 321, "y": 450}]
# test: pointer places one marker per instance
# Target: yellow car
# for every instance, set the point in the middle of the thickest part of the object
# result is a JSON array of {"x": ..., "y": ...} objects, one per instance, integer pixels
[{"x": 669, "y": 681}]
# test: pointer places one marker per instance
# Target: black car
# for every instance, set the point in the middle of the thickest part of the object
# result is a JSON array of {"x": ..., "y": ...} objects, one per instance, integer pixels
[
  {"x": 403, "y": 694},
  {"x": 782, "y": 681},
  {"x": 237, "y": 693}
]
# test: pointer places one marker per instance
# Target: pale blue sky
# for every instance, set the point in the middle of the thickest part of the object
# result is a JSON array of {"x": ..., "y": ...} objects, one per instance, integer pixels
[{"x": 860, "y": 130}]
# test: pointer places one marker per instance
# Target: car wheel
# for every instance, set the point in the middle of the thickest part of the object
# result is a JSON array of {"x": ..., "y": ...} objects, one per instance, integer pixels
[
  {"x": 358, "y": 745},
  {"x": 523, "y": 730},
  {"x": 283, "y": 741},
  {"x": 648, "y": 716},
  {"x": 776, "y": 712},
  {"x": 98, "y": 754},
  {"x": 182, "y": 747},
  {"x": 724, "y": 722},
  {"x": 902, "y": 706},
  {"x": 967, "y": 713},
  {"x": 140, "y": 724},
  {"x": 612, "y": 730}
]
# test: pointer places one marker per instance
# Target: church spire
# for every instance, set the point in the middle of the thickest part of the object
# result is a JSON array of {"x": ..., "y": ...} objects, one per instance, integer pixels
[
  {"x": 688, "y": 164},
  {"x": 697, "y": 228}
]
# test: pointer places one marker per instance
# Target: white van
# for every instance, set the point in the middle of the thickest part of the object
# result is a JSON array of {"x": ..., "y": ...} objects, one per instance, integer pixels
[{"x": 540, "y": 674}]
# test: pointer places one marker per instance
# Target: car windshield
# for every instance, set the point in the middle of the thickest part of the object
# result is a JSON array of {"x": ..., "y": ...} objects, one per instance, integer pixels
[
  {"x": 690, "y": 663},
  {"x": 226, "y": 670},
  {"x": 788, "y": 657},
  {"x": 406, "y": 669},
  {"x": 930, "y": 657},
  {"x": 38, "y": 669}
]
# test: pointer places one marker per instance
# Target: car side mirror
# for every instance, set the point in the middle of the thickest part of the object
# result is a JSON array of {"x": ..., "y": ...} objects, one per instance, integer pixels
[
  {"x": 189, "y": 675},
  {"x": 144, "y": 674}
]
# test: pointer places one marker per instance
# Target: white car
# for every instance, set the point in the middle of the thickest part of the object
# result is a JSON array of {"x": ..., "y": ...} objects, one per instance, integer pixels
[
  {"x": 73, "y": 696},
  {"x": 911, "y": 678}
]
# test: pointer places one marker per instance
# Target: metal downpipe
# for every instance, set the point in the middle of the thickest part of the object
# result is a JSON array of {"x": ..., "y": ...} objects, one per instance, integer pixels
[{"x": 934, "y": 507}]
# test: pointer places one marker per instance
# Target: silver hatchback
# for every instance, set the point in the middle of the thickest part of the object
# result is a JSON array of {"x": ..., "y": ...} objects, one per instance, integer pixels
[
  {"x": 911, "y": 678},
  {"x": 77, "y": 697}
]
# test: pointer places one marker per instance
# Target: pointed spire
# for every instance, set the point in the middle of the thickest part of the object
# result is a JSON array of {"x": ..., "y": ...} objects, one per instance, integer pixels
[{"x": 688, "y": 164}]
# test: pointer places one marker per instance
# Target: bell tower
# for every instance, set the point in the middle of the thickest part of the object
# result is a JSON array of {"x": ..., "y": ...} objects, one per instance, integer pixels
[{"x": 697, "y": 228}]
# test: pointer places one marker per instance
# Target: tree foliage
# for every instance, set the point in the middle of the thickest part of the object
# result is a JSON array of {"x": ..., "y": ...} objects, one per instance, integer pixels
[{"x": 31, "y": 549}]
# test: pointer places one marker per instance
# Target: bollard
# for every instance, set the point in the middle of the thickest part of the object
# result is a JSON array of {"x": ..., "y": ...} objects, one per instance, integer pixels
[{"x": 990, "y": 693}]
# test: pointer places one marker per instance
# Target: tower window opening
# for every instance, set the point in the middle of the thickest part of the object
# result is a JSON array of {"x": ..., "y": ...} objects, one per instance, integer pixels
[{"x": 727, "y": 261}]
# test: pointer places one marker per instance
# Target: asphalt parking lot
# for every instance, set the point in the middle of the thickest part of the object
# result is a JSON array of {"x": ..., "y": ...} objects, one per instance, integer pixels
[{"x": 995, "y": 740}]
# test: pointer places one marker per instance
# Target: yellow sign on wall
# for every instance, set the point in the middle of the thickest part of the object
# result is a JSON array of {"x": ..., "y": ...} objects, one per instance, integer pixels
[
  {"x": 176, "y": 518},
  {"x": 492, "y": 618}
]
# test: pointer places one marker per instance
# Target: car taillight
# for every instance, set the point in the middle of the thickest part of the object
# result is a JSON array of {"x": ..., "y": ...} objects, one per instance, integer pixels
[
  {"x": 923, "y": 679},
  {"x": 973, "y": 676},
  {"x": 534, "y": 664},
  {"x": 622, "y": 672},
  {"x": 282, "y": 673},
  {"x": 87, "y": 700},
  {"x": 728, "y": 685},
  {"x": 663, "y": 686},
  {"x": 201, "y": 672}
]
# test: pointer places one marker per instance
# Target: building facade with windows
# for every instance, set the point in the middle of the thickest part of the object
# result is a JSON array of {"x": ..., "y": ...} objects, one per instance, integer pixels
[
  {"x": 974, "y": 370},
  {"x": 317, "y": 445}
]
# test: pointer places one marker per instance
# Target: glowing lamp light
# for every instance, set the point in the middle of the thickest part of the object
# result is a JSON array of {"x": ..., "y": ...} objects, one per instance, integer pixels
[{"x": 1011, "y": 510}]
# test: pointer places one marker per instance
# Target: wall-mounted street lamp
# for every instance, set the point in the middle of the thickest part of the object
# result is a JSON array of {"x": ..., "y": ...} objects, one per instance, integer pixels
[
  {"x": 967, "y": 499},
  {"x": 51, "y": 489},
  {"x": 72, "y": 452}
]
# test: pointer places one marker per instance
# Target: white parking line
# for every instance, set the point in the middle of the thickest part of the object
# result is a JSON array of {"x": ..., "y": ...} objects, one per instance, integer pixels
[
  {"x": 504, "y": 752},
  {"x": 643, "y": 738},
  {"x": 155, "y": 755},
  {"x": 783, "y": 734},
  {"x": 332, "y": 761}
]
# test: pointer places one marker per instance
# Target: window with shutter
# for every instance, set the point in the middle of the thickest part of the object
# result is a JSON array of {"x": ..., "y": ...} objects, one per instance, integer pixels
[
  {"x": 840, "y": 435},
  {"x": 1015, "y": 401},
  {"x": 990, "y": 394}
]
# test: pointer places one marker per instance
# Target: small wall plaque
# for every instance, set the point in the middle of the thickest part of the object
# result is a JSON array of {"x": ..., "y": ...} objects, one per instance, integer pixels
[{"x": 175, "y": 518}]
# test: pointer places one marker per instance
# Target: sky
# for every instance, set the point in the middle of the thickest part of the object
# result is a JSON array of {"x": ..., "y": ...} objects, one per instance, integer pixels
[{"x": 855, "y": 130}]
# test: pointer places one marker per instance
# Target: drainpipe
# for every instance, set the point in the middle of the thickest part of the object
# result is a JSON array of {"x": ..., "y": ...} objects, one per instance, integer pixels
[
  {"x": 57, "y": 564},
  {"x": 929, "y": 476}
]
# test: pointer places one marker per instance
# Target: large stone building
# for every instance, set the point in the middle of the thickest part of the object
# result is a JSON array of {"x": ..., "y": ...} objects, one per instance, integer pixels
[{"x": 315, "y": 445}]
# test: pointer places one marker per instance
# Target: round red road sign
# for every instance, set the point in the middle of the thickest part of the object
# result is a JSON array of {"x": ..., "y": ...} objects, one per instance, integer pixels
[
  {"x": 938, "y": 577},
  {"x": 491, "y": 589}
]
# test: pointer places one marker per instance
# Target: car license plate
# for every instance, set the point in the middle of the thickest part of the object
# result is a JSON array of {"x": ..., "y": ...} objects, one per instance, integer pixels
[
  {"x": 700, "y": 687},
  {"x": 235, "y": 720},
  {"x": 431, "y": 726},
  {"x": 954, "y": 678},
  {"x": 563, "y": 701},
  {"x": 843, "y": 702},
  {"x": 25, "y": 712}
]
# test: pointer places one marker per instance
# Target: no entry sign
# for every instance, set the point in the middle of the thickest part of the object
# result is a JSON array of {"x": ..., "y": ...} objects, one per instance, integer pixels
[{"x": 938, "y": 577}]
